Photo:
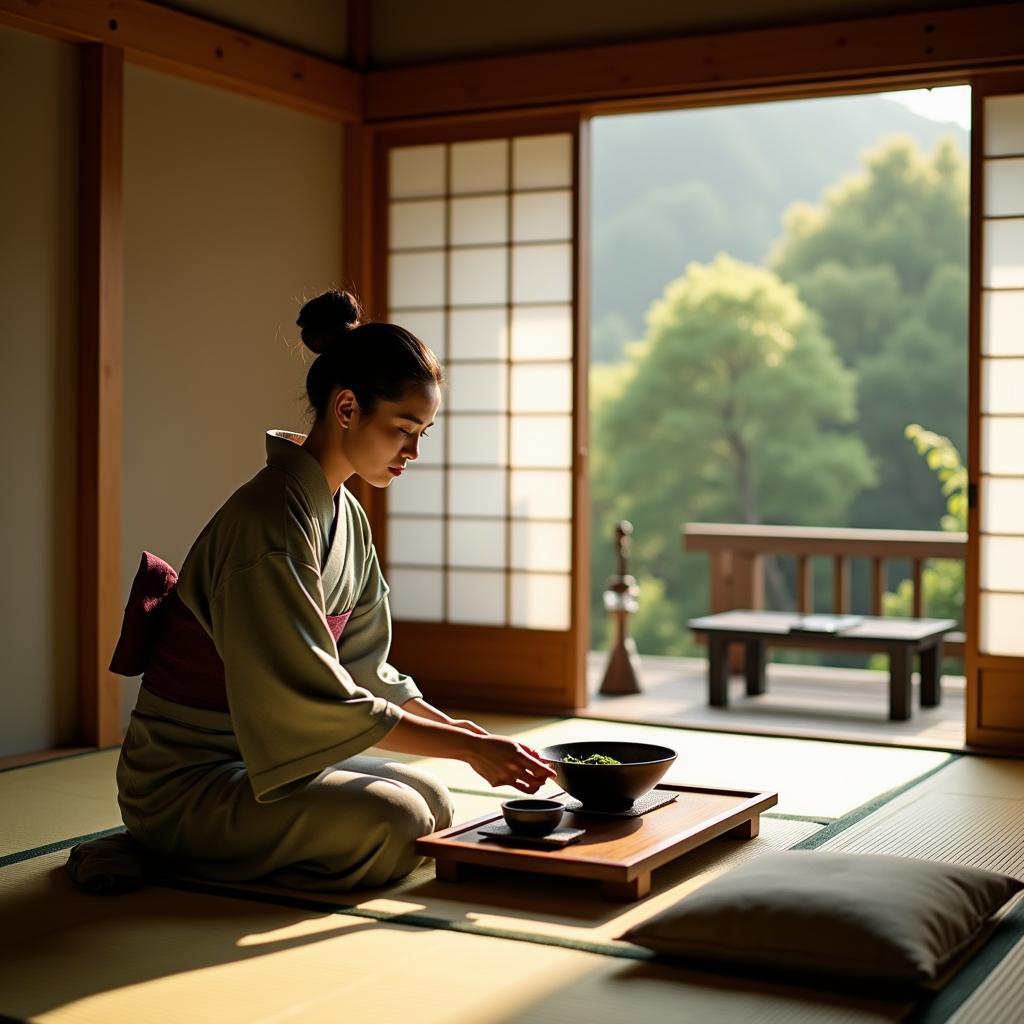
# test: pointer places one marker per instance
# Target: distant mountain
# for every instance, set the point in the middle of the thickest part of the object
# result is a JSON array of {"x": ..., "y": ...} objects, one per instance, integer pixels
[{"x": 669, "y": 188}]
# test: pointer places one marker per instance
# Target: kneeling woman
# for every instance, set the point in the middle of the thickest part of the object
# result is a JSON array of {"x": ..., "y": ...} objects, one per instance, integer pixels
[{"x": 269, "y": 675}]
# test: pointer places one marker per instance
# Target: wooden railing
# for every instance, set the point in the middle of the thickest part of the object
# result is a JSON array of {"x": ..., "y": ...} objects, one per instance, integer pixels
[{"x": 738, "y": 555}]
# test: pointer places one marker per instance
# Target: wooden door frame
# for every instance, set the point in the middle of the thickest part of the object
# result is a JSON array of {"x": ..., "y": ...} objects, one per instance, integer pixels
[
  {"x": 99, "y": 386},
  {"x": 987, "y": 674},
  {"x": 527, "y": 669}
]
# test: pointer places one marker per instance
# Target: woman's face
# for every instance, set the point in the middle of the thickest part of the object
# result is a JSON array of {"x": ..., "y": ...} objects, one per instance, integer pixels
[{"x": 379, "y": 445}]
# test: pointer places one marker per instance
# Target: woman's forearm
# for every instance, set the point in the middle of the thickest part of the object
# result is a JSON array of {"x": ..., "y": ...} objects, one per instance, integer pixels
[
  {"x": 416, "y": 735},
  {"x": 419, "y": 707},
  {"x": 501, "y": 761}
]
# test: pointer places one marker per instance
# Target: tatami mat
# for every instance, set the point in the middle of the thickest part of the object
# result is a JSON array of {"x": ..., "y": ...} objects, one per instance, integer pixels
[
  {"x": 161, "y": 956},
  {"x": 976, "y": 831},
  {"x": 970, "y": 813},
  {"x": 570, "y": 910},
  {"x": 45, "y": 803},
  {"x": 498, "y": 947},
  {"x": 812, "y": 778}
]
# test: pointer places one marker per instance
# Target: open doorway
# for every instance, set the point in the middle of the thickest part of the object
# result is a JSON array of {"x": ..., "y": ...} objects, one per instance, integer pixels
[{"x": 779, "y": 337}]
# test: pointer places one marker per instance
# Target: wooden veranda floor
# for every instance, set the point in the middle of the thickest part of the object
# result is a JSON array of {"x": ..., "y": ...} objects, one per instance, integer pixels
[{"x": 802, "y": 700}]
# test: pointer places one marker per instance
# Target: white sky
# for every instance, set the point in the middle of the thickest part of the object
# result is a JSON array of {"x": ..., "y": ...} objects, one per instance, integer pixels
[{"x": 950, "y": 103}]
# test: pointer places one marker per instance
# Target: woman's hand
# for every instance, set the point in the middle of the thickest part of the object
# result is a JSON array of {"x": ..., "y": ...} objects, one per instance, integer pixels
[{"x": 504, "y": 762}]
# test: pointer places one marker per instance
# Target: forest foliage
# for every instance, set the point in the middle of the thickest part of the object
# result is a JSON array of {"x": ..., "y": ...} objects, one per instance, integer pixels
[{"x": 781, "y": 393}]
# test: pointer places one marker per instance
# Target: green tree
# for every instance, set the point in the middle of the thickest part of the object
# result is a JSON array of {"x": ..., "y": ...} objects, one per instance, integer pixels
[
  {"x": 942, "y": 580},
  {"x": 883, "y": 260},
  {"x": 729, "y": 410},
  {"x": 677, "y": 186}
]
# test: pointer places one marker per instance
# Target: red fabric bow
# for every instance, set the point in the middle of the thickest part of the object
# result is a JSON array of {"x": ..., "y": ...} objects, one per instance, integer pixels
[{"x": 153, "y": 582}]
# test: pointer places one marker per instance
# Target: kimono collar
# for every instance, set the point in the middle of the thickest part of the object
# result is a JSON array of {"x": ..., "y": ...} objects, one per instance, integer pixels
[{"x": 285, "y": 452}]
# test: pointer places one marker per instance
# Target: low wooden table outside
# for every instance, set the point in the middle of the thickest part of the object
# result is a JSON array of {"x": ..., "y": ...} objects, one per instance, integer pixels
[
  {"x": 621, "y": 853},
  {"x": 901, "y": 639}
]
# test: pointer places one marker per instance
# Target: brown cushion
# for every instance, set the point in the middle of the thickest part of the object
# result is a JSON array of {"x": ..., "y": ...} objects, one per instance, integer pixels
[
  {"x": 153, "y": 581},
  {"x": 888, "y": 919}
]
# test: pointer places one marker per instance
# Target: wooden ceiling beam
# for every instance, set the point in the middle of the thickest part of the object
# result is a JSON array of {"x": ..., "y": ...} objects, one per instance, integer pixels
[
  {"x": 191, "y": 47},
  {"x": 935, "y": 43},
  {"x": 892, "y": 50}
]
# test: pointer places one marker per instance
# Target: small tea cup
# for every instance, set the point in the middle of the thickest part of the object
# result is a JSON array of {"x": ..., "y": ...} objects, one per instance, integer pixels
[{"x": 532, "y": 816}]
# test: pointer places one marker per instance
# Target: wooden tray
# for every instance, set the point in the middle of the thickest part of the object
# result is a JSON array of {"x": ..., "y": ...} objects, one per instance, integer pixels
[{"x": 621, "y": 853}]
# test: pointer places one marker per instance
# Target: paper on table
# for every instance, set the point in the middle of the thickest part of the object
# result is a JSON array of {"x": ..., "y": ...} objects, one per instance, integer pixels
[{"x": 825, "y": 623}]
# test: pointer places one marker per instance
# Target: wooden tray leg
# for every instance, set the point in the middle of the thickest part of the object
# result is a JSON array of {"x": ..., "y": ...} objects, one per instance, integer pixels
[
  {"x": 748, "y": 829},
  {"x": 449, "y": 870},
  {"x": 624, "y": 892}
]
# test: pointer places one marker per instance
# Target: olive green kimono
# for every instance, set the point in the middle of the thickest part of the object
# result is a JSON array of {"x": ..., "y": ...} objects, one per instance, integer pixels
[{"x": 276, "y": 786}]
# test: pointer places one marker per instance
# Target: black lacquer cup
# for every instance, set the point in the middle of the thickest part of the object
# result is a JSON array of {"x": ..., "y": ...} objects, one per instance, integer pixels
[{"x": 532, "y": 816}]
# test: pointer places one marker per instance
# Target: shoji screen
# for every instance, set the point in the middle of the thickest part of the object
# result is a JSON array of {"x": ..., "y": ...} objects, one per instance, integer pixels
[
  {"x": 483, "y": 553},
  {"x": 996, "y": 577}
]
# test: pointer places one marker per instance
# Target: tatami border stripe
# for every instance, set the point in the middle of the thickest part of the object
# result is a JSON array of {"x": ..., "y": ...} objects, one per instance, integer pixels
[
  {"x": 811, "y": 819},
  {"x": 52, "y": 760},
  {"x": 61, "y": 844},
  {"x": 875, "y": 803},
  {"x": 940, "y": 1007}
]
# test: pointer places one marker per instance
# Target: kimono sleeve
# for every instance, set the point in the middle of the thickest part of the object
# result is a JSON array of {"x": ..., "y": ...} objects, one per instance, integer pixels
[
  {"x": 295, "y": 710},
  {"x": 365, "y": 643}
]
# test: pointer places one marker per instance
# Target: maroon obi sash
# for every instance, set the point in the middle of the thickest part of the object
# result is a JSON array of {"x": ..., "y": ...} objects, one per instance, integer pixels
[{"x": 163, "y": 639}]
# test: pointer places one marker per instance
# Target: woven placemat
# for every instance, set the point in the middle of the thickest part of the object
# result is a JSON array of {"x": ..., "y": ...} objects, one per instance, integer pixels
[
  {"x": 501, "y": 833},
  {"x": 648, "y": 802}
]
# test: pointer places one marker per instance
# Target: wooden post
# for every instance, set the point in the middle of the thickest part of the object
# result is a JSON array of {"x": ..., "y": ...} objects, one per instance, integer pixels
[
  {"x": 840, "y": 585},
  {"x": 877, "y": 586},
  {"x": 721, "y": 581},
  {"x": 901, "y": 662},
  {"x": 748, "y": 580},
  {"x": 804, "y": 584},
  {"x": 622, "y": 673},
  {"x": 756, "y": 652},
  {"x": 100, "y": 376},
  {"x": 918, "y": 577}
]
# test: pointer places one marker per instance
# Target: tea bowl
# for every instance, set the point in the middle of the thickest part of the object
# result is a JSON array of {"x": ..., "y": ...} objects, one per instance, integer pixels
[
  {"x": 609, "y": 787},
  {"x": 532, "y": 816}
]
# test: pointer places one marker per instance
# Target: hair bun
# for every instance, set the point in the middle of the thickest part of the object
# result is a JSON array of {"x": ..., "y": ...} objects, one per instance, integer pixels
[{"x": 327, "y": 318}]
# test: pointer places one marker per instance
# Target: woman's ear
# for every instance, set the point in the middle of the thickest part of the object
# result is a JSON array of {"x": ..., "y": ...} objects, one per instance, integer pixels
[{"x": 345, "y": 405}]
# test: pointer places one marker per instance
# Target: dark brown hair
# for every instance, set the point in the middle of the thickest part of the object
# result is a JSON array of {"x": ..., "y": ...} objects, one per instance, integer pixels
[{"x": 375, "y": 360}]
